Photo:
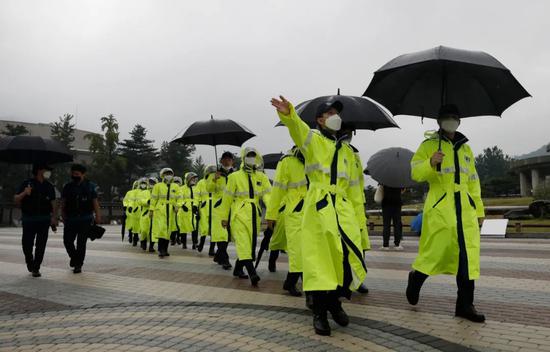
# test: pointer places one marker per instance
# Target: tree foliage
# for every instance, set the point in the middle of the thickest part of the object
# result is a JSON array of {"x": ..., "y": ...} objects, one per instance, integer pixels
[
  {"x": 14, "y": 130},
  {"x": 494, "y": 170},
  {"x": 63, "y": 130},
  {"x": 139, "y": 152},
  {"x": 177, "y": 156}
]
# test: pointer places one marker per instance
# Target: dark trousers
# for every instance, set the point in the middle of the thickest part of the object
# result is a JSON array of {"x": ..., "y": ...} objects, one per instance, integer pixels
[
  {"x": 76, "y": 230},
  {"x": 324, "y": 301},
  {"x": 34, "y": 231},
  {"x": 392, "y": 213},
  {"x": 221, "y": 255}
]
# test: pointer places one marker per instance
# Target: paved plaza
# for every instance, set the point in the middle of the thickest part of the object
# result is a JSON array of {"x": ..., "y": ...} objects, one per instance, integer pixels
[{"x": 127, "y": 300}]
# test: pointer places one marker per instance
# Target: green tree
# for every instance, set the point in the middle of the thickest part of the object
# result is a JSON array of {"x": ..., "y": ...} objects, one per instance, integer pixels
[
  {"x": 493, "y": 168},
  {"x": 14, "y": 130},
  {"x": 63, "y": 130},
  {"x": 139, "y": 152},
  {"x": 107, "y": 167},
  {"x": 12, "y": 175},
  {"x": 177, "y": 156},
  {"x": 198, "y": 167}
]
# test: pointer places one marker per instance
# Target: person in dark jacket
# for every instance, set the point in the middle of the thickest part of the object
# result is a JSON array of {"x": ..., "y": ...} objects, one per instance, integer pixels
[
  {"x": 79, "y": 203},
  {"x": 391, "y": 212},
  {"x": 36, "y": 197}
]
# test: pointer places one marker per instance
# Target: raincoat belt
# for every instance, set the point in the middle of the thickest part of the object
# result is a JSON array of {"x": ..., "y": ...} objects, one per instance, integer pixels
[{"x": 332, "y": 189}]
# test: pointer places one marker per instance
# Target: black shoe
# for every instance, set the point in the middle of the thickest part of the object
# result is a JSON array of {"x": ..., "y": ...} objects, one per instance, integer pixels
[
  {"x": 36, "y": 273},
  {"x": 130, "y": 238},
  {"x": 30, "y": 267},
  {"x": 292, "y": 290},
  {"x": 161, "y": 255},
  {"x": 194, "y": 246},
  {"x": 254, "y": 279},
  {"x": 184, "y": 245},
  {"x": 143, "y": 245},
  {"x": 339, "y": 316},
  {"x": 363, "y": 289},
  {"x": 173, "y": 242},
  {"x": 151, "y": 249},
  {"x": 321, "y": 325},
  {"x": 470, "y": 313},
  {"x": 240, "y": 275},
  {"x": 166, "y": 254},
  {"x": 77, "y": 269},
  {"x": 72, "y": 263},
  {"x": 227, "y": 266},
  {"x": 413, "y": 290},
  {"x": 178, "y": 239},
  {"x": 212, "y": 254},
  {"x": 272, "y": 266},
  {"x": 136, "y": 240}
]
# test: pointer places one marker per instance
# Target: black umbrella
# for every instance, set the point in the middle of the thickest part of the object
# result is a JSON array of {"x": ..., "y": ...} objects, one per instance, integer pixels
[
  {"x": 271, "y": 160},
  {"x": 391, "y": 167},
  {"x": 420, "y": 83},
  {"x": 33, "y": 150},
  {"x": 362, "y": 113},
  {"x": 215, "y": 132}
]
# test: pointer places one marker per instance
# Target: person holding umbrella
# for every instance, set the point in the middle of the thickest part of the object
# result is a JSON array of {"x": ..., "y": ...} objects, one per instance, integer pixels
[
  {"x": 450, "y": 242},
  {"x": 79, "y": 203},
  {"x": 287, "y": 200},
  {"x": 36, "y": 198},
  {"x": 245, "y": 188},
  {"x": 333, "y": 263},
  {"x": 163, "y": 203}
]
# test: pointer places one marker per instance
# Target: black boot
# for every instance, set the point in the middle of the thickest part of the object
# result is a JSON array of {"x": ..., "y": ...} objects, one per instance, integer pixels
[
  {"x": 201, "y": 244},
  {"x": 212, "y": 249},
  {"x": 272, "y": 266},
  {"x": 363, "y": 289},
  {"x": 416, "y": 280},
  {"x": 173, "y": 239},
  {"x": 238, "y": 271},
  {"x": 194, "y": 239},
  {"x": 151, "y": 247},
  {"x": 143, "y": 245},
  {"x": 136, "y": 240},
  {"x": 335, "y": 308},
  {"x": 470, "y": 313},
  {"x": 161, "y": 244},
  {"x": 290, "y": 284},
  {"x": 254, "y": 278},
  {"x": 178, "y": 238},
  {"x": 130, "y": 236},
  {"x": 320, "y": 321}
]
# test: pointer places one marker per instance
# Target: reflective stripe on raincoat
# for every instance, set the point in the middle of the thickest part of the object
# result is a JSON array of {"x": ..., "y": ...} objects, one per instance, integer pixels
[
  {"x": 438, "y": 251},
  {"x": 331, "y": 237}
]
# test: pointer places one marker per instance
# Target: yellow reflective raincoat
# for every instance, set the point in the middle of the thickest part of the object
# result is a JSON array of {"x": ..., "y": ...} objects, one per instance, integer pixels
[
  {"x": 245, "y": 188},
  {"x": 132, "y": 208},
  {"x": 143, "y": 199},
  {"x": 454, "y": 199},
  {"x": 358, "y": 182},
  {"x": 164, "y": 197},
  {"x": 188, "y": 208},
  {"x": 205, "y": 206},
  {"x": 331, "y": 237},
  {"x": 287, "y": 202},
  {"x": 215, "y": 188}
]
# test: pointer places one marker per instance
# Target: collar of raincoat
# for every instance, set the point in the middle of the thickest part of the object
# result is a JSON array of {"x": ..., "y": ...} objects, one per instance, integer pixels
[
  {"x": 135, "y": 185},
  {"x": 459, "y": 138},
  {"x": 259, "y": 160}
]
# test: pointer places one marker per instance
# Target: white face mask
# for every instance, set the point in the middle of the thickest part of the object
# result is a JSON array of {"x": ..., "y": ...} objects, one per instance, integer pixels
[
  {"x": 226, "y": 167},
  {"x": 334, "y": 122},
  {"x": 47, "y": 174},
  {"x": 143, "y": 186},
  {"x": 450, "y": 125},
  {"x": 168, "y": 178},
  {"x": 250, "y": 160},
  {"x": 192, "y": 182}
]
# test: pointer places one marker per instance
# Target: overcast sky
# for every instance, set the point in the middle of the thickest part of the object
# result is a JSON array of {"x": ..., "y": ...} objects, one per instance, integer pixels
[{"x": 165, "y": 64}]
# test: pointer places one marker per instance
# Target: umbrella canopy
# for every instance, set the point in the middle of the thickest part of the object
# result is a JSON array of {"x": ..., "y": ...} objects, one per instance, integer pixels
[
  {"x": 215, "y": 132},
  {"x": 271, "y": 160},
  {"x": 33, "y": 150},
  {"x": 419, "y": 83},
  {"x": 391, "y": 167},
  {"x": 362, "y": 113}
]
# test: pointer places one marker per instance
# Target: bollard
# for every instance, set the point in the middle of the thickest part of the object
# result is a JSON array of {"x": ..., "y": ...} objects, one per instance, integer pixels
[{"x": 518, "y": 227}]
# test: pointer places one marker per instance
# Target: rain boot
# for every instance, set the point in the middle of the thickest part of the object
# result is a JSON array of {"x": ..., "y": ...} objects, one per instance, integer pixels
[
  {"x": 184, "y": 240},
  {"x": 254, "y": 278},
  {"x": 320, "y": 321},
  {"x": 201, "y": 244},
  {"x": 290, "y": 284},
  {"x": 416, "y": 280},
  {"x": 272, "y": 266},
  {"x": 212, "y": 249}
]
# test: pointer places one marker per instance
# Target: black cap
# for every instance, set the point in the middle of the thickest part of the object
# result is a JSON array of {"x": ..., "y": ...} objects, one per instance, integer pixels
[
  {"x": 227, "y": 155},
  {"x": 448, "y": 109},
  {"x": 324, "y": 107},
  {"x": 78, "y": 167}
]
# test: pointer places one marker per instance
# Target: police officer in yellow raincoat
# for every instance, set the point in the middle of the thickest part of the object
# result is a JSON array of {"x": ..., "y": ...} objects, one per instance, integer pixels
[
  {"x": 357, "y": 178},
  {"x": 450, "y": 240},
  {"x": 206, "y": 208},
  {"x": 188, "y": 209},
  {"x": 141, "y": 197},
  {"x": 245, "y": 188},
  {"x": 332, "y": 257},
  {"x": 215, "y": 185},
  {"x": 146, "y": 225},
  {"x": 174, "y": 235},
  {"x": 132, "y": 213},
  {"x": 164, "y": 198},
  {"x": 287, "y": 202}
]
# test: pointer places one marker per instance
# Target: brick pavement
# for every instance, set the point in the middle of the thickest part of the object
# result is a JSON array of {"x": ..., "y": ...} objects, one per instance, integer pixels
[{"x": 126, "y": 300}]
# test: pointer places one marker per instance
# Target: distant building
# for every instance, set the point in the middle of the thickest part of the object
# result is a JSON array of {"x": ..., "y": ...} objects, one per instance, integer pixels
[
  {"x": 81, "y": 145},
  {"x": 533, "y": 170}
]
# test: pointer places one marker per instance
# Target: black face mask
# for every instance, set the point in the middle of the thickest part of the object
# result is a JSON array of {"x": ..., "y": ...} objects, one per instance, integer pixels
[{"x": 76, "y": 179}]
